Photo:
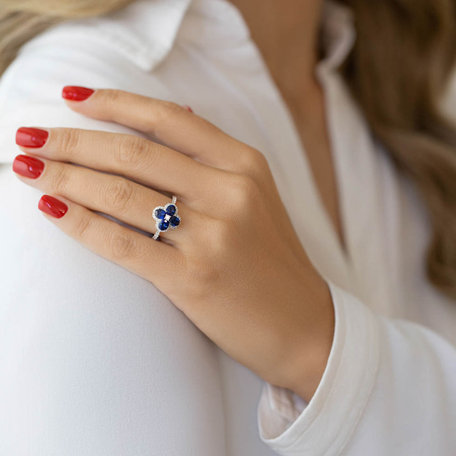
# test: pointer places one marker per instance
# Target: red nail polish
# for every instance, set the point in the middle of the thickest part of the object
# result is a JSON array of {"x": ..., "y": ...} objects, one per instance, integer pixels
[
  {"x": 188, "y": 108},
  {"x": 52, "y": 206},
  {"x": 31, "y": 137},
  {"x": 28, "y": 166},
  {"x": 76, "y": 93}
]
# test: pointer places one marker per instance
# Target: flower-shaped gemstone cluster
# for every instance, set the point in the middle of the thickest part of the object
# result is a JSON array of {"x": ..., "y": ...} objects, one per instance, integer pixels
[{"x": 166, "y": 217}]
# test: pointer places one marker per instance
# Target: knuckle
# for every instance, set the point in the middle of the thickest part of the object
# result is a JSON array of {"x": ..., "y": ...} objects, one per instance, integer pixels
[
  {"x": 163, "y": 115},
  {"x": 168, "y": 111},
  {"x": 82, "y": 227},
  {"x": 220, "y": 240},
  {"x": 111, "y": 97},
  {"x": 244, "y": 191},
  {"x": 59, "y": 178},
  {"x": 254, "y": 162},
  {"x": 171, "y": 108},
  {"x": 201, "y": 276},
  {"x": 69, "y": 140},
  {"x": 118, "y": 195},
  {"x": 258, "y": 159},
  {"x": 219, "y": 236},
  {"x": 122, "y": 246},
  {"x": 203, "y": 266},
  {"x": 131, "y": 151}
]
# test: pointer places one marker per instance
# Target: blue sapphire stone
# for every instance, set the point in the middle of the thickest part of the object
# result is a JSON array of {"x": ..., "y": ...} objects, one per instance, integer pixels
[
  {"x": 160, "y": 213},
  {"x": 174, "y": 221},
  {"x": 163, "y": 225},
  {"x": 171, "y": 209}
]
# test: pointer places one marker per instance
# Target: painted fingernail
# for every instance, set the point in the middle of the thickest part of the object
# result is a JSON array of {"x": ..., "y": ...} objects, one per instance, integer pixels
[
  {"x": 28, "y": 166},
  {"x": 52, "y": 206},
  {"x": 76, "y": 93},
  {"x": 188, "y": 108},
  {"x": 31, "y": 137}
]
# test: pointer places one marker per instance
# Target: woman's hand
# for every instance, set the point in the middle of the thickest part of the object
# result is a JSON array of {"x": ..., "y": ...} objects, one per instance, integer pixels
[{"x": 234, "y": 265}]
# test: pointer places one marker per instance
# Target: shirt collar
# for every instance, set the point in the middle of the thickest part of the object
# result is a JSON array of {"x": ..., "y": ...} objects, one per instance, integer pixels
[
  {"x": 144, "y": 31},
  {"x": 338, "y": 34}
]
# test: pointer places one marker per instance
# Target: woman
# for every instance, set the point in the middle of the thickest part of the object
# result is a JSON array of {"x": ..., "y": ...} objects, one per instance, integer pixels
[{"x": 339, "y": 300}]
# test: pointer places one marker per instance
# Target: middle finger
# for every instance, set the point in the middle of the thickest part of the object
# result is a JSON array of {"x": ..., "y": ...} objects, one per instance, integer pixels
[{"x": 137, "y": 158}]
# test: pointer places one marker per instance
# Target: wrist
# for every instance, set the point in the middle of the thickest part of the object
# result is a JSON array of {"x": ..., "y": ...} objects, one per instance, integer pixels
[{"x": 309, "y": 356}]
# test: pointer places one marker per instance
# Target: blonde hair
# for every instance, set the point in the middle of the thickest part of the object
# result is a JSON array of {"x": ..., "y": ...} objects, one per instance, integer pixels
[
  {"x": 397, "y": 72},
  {"x": 21, "y": 20}
]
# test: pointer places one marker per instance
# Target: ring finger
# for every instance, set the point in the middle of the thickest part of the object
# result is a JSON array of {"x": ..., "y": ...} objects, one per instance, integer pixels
[{"x": 127, "y": 201}]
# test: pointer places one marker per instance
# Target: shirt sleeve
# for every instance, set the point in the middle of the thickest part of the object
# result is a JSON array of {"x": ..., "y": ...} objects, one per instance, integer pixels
[{"x": 389, "y": 388}]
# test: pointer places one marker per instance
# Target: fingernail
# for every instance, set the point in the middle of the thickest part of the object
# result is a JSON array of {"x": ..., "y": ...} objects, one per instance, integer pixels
[
  {"x": 31, "y": 137},
  {"x": 188, "y": 108},
  {"x": 76, "y": 93},
  {"x": 52, "y": 206},
  {"x": 28, "y": 166}
]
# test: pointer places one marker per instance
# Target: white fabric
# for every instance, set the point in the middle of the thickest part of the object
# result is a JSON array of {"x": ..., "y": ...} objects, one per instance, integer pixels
[{"x": 95, "y": 361}]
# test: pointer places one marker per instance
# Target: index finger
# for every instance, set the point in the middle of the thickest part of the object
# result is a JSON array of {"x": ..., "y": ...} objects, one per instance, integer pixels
[{"x": 164, "y": 121}]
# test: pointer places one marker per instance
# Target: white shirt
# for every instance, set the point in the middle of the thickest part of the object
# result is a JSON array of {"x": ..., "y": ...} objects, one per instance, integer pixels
[{"x": 94, "y": 360}]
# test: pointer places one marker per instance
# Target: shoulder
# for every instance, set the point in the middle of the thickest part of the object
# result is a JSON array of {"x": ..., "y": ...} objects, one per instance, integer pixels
[
  {"x": 30, "y": 88},
  {"x": 116, "y": 51},
  {"x": 61, "y": 55}
]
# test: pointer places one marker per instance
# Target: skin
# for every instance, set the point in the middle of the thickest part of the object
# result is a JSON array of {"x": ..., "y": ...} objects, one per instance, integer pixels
[
  {"x": 286, "y": 34},
  {"x": 272, "y": 300}
]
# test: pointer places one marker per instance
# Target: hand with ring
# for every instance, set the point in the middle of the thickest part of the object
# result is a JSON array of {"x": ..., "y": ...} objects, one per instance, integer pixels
[{"x": 211, "y": 230}]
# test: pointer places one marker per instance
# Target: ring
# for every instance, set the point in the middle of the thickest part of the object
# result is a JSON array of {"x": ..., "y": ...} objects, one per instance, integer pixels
[{"x": 166, "y": 217}]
